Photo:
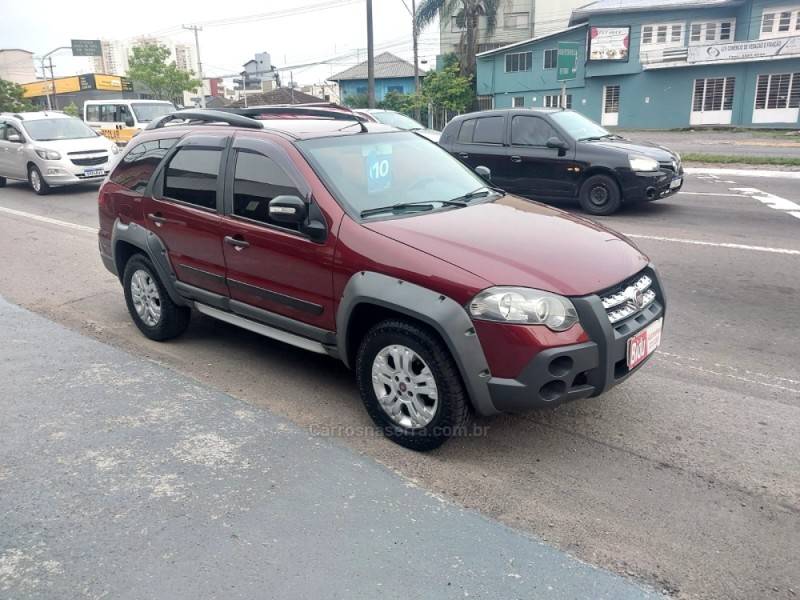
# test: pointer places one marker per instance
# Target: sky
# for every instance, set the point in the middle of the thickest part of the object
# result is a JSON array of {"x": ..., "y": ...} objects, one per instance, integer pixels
[{"x": 232, "y": 32}]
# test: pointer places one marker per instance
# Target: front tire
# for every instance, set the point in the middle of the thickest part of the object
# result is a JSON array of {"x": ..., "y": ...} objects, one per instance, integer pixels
[
  {"x": 149, "y": 304},
  {"x": 37, "y": 182},
  {"x": 600, "y": 195},
  {"x": 410, "y": 385}
]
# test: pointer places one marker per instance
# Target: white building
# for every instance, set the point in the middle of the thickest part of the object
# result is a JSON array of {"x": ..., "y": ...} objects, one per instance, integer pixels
[
  {"x": 17, "y": 65},
  {"x": 116, "y": 54},
  {"x": 517, "y": 20}
]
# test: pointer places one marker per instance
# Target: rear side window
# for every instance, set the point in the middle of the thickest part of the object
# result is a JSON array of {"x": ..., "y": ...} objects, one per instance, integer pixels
[
  {"x": 137, "y": 166},
  {"x": 467, "y": 130},
  {"x": 489, "y": 130},
  {"x": 191, "y": 177},
  {"x": 257, "y": 180},
  {"x": 530, "y": 131}
]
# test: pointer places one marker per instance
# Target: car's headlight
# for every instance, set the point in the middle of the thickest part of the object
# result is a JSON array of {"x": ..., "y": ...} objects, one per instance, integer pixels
[
  {"x": 48, "y": 154},
  {"x": 114, "y": 149},
  {"x": 642, "y": 163},
  {"x": 525, "y": 306}
]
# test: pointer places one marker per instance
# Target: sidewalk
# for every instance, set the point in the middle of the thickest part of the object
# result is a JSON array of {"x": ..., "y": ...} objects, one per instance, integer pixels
[{"x": 121, "y": 479}]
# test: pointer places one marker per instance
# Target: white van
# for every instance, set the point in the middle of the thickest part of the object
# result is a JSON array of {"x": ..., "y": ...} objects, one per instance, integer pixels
[{"x": 120, "y": 120}]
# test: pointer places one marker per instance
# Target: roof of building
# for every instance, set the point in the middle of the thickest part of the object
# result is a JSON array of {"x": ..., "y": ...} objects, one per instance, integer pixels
[
  {"x": 15, "y": 50},
  {"x": 582, "y": 13},
  {"x": 387, "y": 66},
  {"x": 503, "y": 49},
  {"x": 277, "y": 96}
]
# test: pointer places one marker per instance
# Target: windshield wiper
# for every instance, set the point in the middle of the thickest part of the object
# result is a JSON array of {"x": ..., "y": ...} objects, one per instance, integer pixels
[
  {"x": 481, "y": 192},
  {"x": 595, "y": 138},
  {"x": 422, "y": 206}
]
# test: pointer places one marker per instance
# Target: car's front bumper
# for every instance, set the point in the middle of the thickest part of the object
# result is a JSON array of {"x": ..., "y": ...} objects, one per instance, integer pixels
[
  {"x": 648, "y": 186},
  {"x": 64, "y": 172},
  {"x": 580, "y": 370}
]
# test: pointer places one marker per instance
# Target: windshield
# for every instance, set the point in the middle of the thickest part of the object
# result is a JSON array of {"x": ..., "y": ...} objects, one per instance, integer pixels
[
  {"x": 367, "y": 171},
  {"x": 44, "y": 130},
  {"x": 146, "y": 112},
  {"x": 397, "y": 120},
  {"x": 578, "y": 126}
]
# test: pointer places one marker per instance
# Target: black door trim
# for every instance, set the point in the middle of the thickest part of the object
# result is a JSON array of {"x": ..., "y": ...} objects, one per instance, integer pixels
[{"x": 269, "y": 295}]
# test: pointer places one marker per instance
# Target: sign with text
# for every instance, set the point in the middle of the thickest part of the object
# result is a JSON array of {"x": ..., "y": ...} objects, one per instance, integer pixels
[
  {"x": 567, "y": 64},
  {"x": 789, "y": 46},
  {"x": 87, "y": 48},
  {"x": 609, "y": 43}
]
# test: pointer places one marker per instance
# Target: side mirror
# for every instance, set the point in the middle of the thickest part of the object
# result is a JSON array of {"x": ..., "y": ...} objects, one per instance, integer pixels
[
  {"x": 288, "y": 209},
  {"x": 129, "y": 122},
  {"x": 558, "y": 143},
  {"x": 14, "y": 137},
  {"x": 484, "y": 173}
]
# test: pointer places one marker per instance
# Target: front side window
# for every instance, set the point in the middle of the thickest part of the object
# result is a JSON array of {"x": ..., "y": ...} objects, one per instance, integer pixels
[
  {"x": 530, "y": 131},
  {"x": 192, "y": 177},
  {"x": 93, "y": 113},
  {"x": 518, "y": 61},
  {"x": 147, "y": 111},
  {"x": 577, "y": 126},
  {"x": 257, "y": 180},
  {"x": 138, "y": 165},
  {"x": 780, "y": 22},
  {"x": 384, "y": 169}
]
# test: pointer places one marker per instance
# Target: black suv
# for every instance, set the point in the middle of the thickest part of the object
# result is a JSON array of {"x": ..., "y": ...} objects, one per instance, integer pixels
[{"x": 553, "y": 154}]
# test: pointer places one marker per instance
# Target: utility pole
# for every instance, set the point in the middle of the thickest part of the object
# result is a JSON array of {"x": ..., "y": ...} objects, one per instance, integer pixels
[
  {"x": 196, "y": 29},
  {"x": 53, "y": 83},
  {"x": 370, "y": 59},
  {"x": 415, "y": 34}
]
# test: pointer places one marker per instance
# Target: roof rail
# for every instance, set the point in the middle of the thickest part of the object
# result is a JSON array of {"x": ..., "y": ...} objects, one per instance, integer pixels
[
  {"x": 327, "y": 110},
  {"x": 206, "y": 116}
]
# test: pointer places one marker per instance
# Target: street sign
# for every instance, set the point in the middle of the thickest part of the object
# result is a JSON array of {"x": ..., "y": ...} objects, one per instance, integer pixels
[
  {"x": 567, "y": 63},
  {"x": 87, "y": 48}
]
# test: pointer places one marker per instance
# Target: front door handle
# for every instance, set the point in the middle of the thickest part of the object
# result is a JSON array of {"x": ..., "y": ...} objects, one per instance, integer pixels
[
  {"x": 516, "y": 159},
  {"x": 463, "y": 155},
  {"x": 238, "y": 243},
  {"x": 160, "y": 220}
]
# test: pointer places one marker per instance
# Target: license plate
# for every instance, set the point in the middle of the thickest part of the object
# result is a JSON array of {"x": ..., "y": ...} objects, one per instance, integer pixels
[
  {"x": 93, "y": 172},
  {"x": 675, "y": 183},
  {"x": 644, "y": 343}
]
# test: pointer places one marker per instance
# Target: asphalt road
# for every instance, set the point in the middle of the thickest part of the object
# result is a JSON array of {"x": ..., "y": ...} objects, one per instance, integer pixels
[
  {"x": 736, "y": 143},
  {"x": 686, "y": 476}
]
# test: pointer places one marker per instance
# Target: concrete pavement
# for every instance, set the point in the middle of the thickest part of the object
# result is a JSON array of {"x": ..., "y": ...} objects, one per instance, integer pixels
[
  {"x": 685, "y": 476},
  {"x": 120, "y": 479}
]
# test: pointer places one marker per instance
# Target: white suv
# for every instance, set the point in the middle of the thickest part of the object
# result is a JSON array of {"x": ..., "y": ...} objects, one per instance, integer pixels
[{"x": 51, "y": 149}]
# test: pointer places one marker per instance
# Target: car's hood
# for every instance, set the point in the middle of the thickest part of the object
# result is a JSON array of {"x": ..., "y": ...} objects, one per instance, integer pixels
[
  {"x": 659, "y": 153},
  {"x": 517, "y": 242},
  {"x": 98, "y": 143}
]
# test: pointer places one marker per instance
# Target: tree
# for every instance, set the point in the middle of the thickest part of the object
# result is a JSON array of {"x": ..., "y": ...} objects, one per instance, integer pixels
[
  {"x": 71, "y": 109},
  {"x": 356, "y": 101},
  {"x": 149, "y": 66},
  {"x": 11, "y": 97},
  {"x": 448, "y": 89},
  {"x": 467, "y": 14}
]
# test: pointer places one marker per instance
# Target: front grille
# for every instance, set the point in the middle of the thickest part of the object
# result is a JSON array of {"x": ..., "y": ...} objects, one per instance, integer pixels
[
  {"x": 80, "y": 152},
  {"x": 629, "y": 298},
  {"x": 673, "y": 166},
  {"x": 88, "y": 162}
]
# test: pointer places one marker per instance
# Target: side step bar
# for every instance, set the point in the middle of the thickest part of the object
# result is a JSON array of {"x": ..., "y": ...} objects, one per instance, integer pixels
[{"x": 261, "y": 329}]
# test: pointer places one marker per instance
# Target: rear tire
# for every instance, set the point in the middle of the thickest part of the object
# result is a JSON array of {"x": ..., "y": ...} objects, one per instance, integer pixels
[
  {"x": 422, "y": 399},
  {"x": 600, "y": 195},
  {"x": 149, "y": 304},
  {"x": 37, "y": 182}
]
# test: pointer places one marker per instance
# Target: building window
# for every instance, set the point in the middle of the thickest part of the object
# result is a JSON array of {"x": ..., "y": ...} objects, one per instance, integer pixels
[
  {"x": 713, "y": 94},
  {"x": 519, "y": 61},
  {"x": 520, "y": 20},
  {"x": 518, "y": 102},
  {"x": 361, "y": 90},
  {"x": 551, "y": 58},
  {"x": 611, "y": 99},
  {"x": 712, "y": 31},
  {"x": 662, "y": 34},
  {"x": 780, "y": 22},
  {"x": 778, "y": 91},
  {"x": 485, "y": 102},
  {"x": 554, "y": 101},
  {"x": 395, "y": 88},
  {"x": 456, "y": 24}
]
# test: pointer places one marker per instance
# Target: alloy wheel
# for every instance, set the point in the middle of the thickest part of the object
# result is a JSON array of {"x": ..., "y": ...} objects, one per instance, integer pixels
[
  {"x": 146, "y": 298},
  {"x": 405, "y": 386}
]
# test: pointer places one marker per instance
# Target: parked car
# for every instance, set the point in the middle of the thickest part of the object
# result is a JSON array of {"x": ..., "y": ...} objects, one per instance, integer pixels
[
  {"x": 51, "y": 149},
  {"x": 376, "y": 247},
  {"x": 120, "y": 120},
  {"x": 399, "y": 121},
  {"x": 554, "y": 154}
]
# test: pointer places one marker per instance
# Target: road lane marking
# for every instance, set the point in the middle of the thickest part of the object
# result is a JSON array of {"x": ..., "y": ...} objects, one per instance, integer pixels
[
  {"x": 771, "y": 200},
  {"x": 710, "y": 194},
  {"x": 703, "y": 173},
  {"x": 659, "y": 238},
  {"x": 67, "y": 224},
  {"x": 751, "y": 374}
]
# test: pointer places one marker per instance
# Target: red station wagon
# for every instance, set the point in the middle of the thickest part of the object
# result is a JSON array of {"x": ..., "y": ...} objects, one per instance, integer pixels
[{"x": 446, "y": 296}]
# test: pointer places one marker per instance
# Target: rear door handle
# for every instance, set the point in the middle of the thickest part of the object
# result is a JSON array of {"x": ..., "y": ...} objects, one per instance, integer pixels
[
  {"x": 237, "y": 243},
  {"x": 516, "y": 159},
  {"x": 463, "y": 155}
]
